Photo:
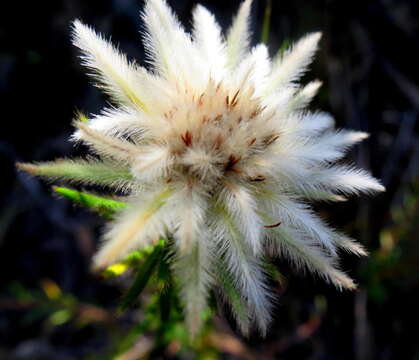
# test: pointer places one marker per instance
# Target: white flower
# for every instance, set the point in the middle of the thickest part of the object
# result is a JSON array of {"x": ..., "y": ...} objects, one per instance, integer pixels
[{"x": 213, "y": 145}]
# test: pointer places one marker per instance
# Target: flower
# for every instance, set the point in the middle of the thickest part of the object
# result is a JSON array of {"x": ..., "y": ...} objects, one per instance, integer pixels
[{"x": 213, "y": 146}]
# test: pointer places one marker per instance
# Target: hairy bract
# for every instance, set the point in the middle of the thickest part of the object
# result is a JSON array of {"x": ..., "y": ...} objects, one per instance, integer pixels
[{"x": 212, "y": 144}]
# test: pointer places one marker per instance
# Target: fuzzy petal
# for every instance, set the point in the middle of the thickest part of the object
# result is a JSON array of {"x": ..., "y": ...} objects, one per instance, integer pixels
[
  {"x": 287, "y": 242},
  {"x": 105, "y": 145},
  {"x": 209, "y": 42},
  {"x": 116, "y": 122},
  {"x": 328, "y": 147},
  {"x": 238, "y": 38},
  {"x": 170, "y": 49},
  {"x": 240, "y": 203},
  {"x": 303, "y": 97},
  {"x": 344, "y": 179},
  {"x": 135, "y": 227},
  {"x": 192, "y": 270},
  {"x": 118, "y": 77},
  {"x": 290, "y": 67},
  {"x": 244, "y": 266}
]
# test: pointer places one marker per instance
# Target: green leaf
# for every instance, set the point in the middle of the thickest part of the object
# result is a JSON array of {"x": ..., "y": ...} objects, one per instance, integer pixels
[
  {"x": 272, "y": 271},
  {"x": 60, "y": 317},
  {"x": 105, "y": 207},
  {"x": 81, "y": 171},
  {"x": 234, "y": 297},
  {"x": 165, "y": 302},
  {"x": 144, "y": 273},
  {"x": 266, "y": 22},
  {"x": 133, "y": 259},
  {"x": 284, "y": 47}
]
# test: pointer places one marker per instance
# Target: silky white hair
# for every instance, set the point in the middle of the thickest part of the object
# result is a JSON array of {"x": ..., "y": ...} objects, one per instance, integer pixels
[{"x": 214, "y": 144}]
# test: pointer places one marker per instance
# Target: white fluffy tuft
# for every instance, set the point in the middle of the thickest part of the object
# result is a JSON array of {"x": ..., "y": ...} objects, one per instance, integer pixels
[
  {"x": 293, "y": 64},
  {"x": 215, "y": 147},
  {"x": 238, "y": 38}
]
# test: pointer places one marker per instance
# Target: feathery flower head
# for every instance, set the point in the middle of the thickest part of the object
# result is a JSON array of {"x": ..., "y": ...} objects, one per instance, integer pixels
[{"x": 213, "y": 146}]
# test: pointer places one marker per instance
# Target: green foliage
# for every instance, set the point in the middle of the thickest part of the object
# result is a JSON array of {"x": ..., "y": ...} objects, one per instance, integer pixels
[
  {"x": 143, "y": 275},
  {"x": 132, "y": 260},
  {"x": 52, "y": 306},
  {"x": 284, "y": 47},
  {"x": 234, "y": 297},
  {"x": 163, "y": 314},
  {"x": 81, "y": 171},
  {"x": 266, "y": 22},
  {"x": 393, "y": 266},
  {"x": 105, "y": 207}
]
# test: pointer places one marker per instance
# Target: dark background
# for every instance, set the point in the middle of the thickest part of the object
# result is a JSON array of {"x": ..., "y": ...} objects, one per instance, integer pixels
[{"x": 52, "y": 307}]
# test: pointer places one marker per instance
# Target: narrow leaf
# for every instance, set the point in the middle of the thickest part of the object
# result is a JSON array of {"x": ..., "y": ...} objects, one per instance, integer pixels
[
  {"x": 192, "y": 274},
  {"x": 80, "y": 171},
  {"x": 105, "y": 207},
  {"x": 165, "y": 302},
  {"x": 234, "y": 297},
  {"x": 285, "y": 45},
  {"x": 266, "y": 22},
  {"x": 133, "y": 259},
  {"x": 144, "y": 273}
]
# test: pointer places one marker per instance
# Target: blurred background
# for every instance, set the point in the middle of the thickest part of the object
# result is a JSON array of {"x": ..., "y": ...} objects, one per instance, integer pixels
[{"x": 52, "y": 307}]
